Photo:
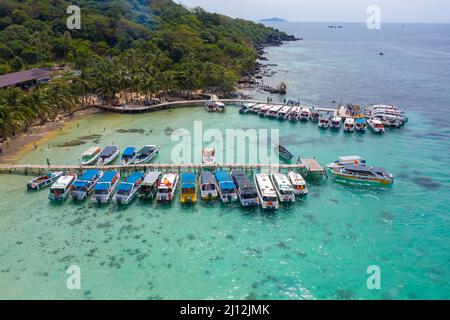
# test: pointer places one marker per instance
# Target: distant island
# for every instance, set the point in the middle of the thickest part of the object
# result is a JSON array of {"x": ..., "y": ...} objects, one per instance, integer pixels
[{"x": 274, "y": 19}]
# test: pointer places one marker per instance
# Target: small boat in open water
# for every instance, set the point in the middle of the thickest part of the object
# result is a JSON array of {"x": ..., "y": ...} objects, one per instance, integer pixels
[
  {"x": 60, "y": 190},
  {"x": 43, "y": 181},
  {"x": 90, "y": 156},
  {"x": 150, "y": 185},
  {"x": 283, "y": 152},
  {"x": 105, "y": 187},
  {"x": 298, "y": 183},
  {"x": 146, "y": 154},
  {"x": 83, "y": 186},
  {"x": 188, "y": 188},
  {"x": 209, "y": 156},
  {"x": 346, "y": 160},
  {"x": 127, "y": 190},
  {"x": 225, "y": 187},
  {"x": 167, "y": 187},
  {"x": 266, "y": 192},
  {"x": 362, "y": 173},
  {"x": 108, "y": 155},
  {"x": 283, "y": 187},
  {"x": 208, "y": 183},
  {"x": 128, "y": 156},
  {"x": 246, "y": 191}
]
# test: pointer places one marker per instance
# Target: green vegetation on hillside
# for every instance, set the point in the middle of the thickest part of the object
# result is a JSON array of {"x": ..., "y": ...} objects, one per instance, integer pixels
[{"x": 146, "y": 46}]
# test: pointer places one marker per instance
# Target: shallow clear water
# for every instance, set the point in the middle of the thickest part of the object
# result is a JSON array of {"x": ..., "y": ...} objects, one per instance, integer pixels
[{"x": 318, "y": 248}]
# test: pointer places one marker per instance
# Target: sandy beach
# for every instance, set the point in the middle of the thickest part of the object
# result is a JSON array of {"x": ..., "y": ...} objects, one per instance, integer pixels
[{"x": 15, "y": 147}]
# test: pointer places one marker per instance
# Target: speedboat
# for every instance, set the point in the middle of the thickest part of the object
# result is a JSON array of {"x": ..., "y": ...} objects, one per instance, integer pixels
[
  {"x": 376, "y": 125},
  {"x": 225, "y": 187},
  {"x": 188, "y": 188},
  {"x": 362, "y": 173},
  {"x": 90, "y": 156},
  {"x": 388, "y": 120},
  {"x": 83, "y": 186},
  {"x": 294, "y": 114},
  {"x": 128, "y": 156},
  {"x": 105, "y": 187},
  {"x": 273, "y": 111},
  {"x": 207, "y": 184},
  {"x": 246, "y": 107},
  {"x": 59, "y": 191},
  {"x": 304, "y": 114},
  {"x": 167, "y": 187},
  {"x": 246, "y": 191},
  {"x": 210, "y": 106},
  {"x": 361, "y": 124},
  {"x": 264, "y": 110},
  {"x": 314, "y": 115},
  {"x": 283, "y": 113},
  {"x": 283, "y": 152},
  {"x": 150, "y": 185},
  {"x": 324, "y": 120},
  {"x": 349, "y": 125},
  {"x": 346, "y": 160},
  {"x": 220, "y": 106},
  {"x": 298, "y": 183},
  {"x": 43, "y": 181},
  {"x": 283, "y": 187},
  {"x": 209, "y": 156},
  {"x": 146, "y": 154},
  {"x": 108, "y": 155},
  {"x": 127, "y": 190},
  {"x": 266, "y": 192},
  {"x": 336, "y": 122},
  {"x": 256, "y": 108}
]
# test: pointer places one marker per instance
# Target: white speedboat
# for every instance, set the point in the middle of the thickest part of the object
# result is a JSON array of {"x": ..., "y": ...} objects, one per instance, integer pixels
[
  {"x": 273, "y": 111},
  {"x": 146, "y": 154},
  {"x": 349, "y": 125},
  {"x": 209, "y": 156},
  {"x": 294, "y": 114},
  {"x": 346, "y": 160},
  {"x": 108, "y": 155},
  {"x": 207, "y": 183},
  {"x": 266, "y": 192},
  {"x": 90, "y": 156},
  {"x": 298, "y": 183},
  {"x": 105, "y": 187},
  {"x": 336, "y": 122},
  {"x": 283, "y": 187},
  {"x": 60, "y": 190},
  {"x": 283, "y": 113},
  {"x": 376, "y": 125},
  {"x": 264, "y": 110},
  {"x": 324, "y": 121},
  {"x": 363, "y": 173},
  {"x": 304, "y": 114},
  {"x": 149, "y": 186},
  {"x": 167, "y": 187}
]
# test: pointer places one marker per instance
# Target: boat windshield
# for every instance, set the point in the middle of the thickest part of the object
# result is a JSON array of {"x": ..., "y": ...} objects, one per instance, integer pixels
[
  {"x": 285, "y": 192},
  {"x": 269, "y": 199},
  {"x": 101, "y": 192},
  {"x": 249, "y": 195},
  {"x": 165, "y": 190},
  {"x": 188, "y": 190},
  {"x": 208, "y": 187},
  {"x": 57, "y": 191}
]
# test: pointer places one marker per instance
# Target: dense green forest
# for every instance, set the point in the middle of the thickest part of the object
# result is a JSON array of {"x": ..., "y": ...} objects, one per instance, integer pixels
[{"x": 145, "y": 46}]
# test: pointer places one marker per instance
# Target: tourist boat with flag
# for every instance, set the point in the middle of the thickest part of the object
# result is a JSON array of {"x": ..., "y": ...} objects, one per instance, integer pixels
[
  {"x": 127, "y": 189},
  {"x": 225, "y": 187},
  {"x": 246, "y": 191},
  {"x": 188, "y": 188},
  {"x": 128, "y": 156},
  {"x": 105, "y": 187},
  {"x": 149, "y": 186},
  {"x": 298, "y": 183},
  {"x": 363, "y": 173},
  {"x": 266, "y": 192},
  {"x": 90, "y": 156},
  {"x": 208, "y": 183},
  {"x": 108, "y": 155},
  {"x": 167, "y": 187},
  {"x": 84, "y": 185},
  {"x": 283, "y": 187},
  {"x": 60, "y": 190},
  {"x": 146, "y": 154},
  {"x": 43, "y": 181}
]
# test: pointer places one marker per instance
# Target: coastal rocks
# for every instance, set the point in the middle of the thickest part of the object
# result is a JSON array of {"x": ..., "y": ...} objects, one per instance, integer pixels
[
  {"x": 71, "y": 143},
  {"x": 140, "y": 131}
]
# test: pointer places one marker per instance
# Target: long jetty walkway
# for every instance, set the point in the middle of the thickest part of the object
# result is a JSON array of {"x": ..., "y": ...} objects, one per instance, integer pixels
[
  {"x": 36, "y": 169},
  {"x": 188, "y": 103}
]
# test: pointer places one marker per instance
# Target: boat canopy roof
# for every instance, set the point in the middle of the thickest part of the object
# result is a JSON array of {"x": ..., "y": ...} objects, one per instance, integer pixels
[
  {"x": 350, "y": 158},
  {"x": 125, "y": 186},
  {"x": 108, "y": 176},
  {"x": 188, "y": 177},
  {"x": 102, "y": 186},
  {"x": 108, "y": 151},
  {"x": 151, "y": 177},
  {"x": 206, "y": 177},
  {"x": 129, "y": 152},
  {"x": 63, "y": 181},
  {"x": 361, "y": 120},
  {"x": 222, "y": 176},
  {"x": 241, "y": 179},
  {"x": 80, "y": 184},
  {"x": 89, "y": 175},
  {"x": 354, "y": 167},
  {"x": 90, "y": 152},
  {"x": 146, "y": 149},
  {"x": 227, "y": 185},
  {"x": 135, "y": 177},
  {"x": 349, "y": 120}
]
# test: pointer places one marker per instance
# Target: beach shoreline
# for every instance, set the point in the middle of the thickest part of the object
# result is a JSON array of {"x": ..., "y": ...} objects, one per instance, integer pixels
[{"x": 16, "y": 147}]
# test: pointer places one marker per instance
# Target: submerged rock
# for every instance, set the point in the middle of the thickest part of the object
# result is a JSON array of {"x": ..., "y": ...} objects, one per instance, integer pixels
[{"x": 71, "y": 143}]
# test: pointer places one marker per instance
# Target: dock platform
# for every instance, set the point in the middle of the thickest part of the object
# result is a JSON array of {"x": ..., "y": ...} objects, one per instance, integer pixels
[{"x": 311, "y": 168}]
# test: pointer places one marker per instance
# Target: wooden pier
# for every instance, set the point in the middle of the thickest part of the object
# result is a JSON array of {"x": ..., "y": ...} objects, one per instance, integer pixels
[{"x": 311, "y": 168}]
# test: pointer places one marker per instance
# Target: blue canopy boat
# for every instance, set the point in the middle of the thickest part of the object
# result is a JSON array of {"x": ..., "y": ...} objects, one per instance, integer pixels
[
  {"x": 225, "y": 186},
  {"x": 105, "y": 187},
  {"x": 361, "y": 124},
  {"x": 128, "y": 156},
  {"x": 84, "y": 185},
  {"x": 128, "y": 188}
]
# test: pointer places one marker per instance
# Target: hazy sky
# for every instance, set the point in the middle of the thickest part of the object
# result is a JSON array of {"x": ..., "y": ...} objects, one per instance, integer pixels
[{"x": 329, "y": 10}]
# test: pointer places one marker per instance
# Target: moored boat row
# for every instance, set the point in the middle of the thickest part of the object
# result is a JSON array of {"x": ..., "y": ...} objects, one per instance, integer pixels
[{"x": 109, "y": 154}]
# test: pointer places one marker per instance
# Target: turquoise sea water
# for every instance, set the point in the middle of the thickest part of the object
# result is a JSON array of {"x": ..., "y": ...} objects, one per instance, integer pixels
[{"x": 319, "y": 248}]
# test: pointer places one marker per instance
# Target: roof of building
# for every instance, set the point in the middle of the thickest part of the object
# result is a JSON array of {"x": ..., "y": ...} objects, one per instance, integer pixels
[{"x": 15, "y": 78}]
